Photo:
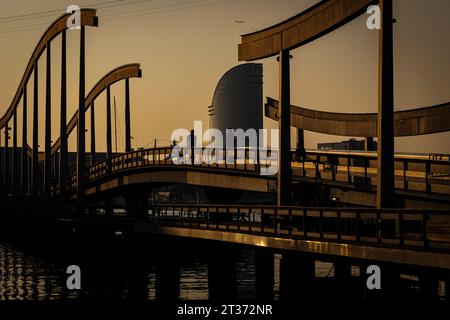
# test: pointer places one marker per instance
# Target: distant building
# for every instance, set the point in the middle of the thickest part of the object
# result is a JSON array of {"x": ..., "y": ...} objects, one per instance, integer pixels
[
  {"x": 238, "y": 99},
  {"x": 351, "y": 144}
]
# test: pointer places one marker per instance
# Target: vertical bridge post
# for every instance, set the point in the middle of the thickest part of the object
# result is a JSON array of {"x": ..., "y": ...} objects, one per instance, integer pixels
[
  {"x": 63, "y": 164},
  {"x": 35, "y": 166},
  {"x": 24, "y": 160},
  {"x": 284, "y": 126},
  {"x": 48, "y": 125},
  {"x": 81, "y": 152},
  {"x": 127, "y": 116},
  {"x": 93, "y": 156},
  {"x": 385, "y": 125}
]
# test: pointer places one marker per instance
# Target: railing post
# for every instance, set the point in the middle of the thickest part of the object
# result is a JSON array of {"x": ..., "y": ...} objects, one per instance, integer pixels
[
  {"x": 349, "y": 177},
  {"x": 378, "y": 226},
  {"x": 305, "y": 222},
  {"x": 289, "y": 221},
  {"x": 405, "y": 178},
  {"x": 275, "y": 222},
  {"x": 338, "y": 224},
  {"x": 426, "y": 243},
  {"x": 400, "y": 228},
  {"x": 321, "y": 224},
  {"x": 250, "y": 219},
  {"x": 427, "y": 174},
  {"x": 262, "y": 218},
  {"x": 357, "y": 226}
]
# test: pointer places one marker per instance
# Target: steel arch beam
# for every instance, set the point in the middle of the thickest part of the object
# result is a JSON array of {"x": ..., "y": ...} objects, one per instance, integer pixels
[
  {"x": 420, "y": 121},
  {"x": 87, "y": 18},
  {"x": 131, "y": 70},
  {"x": 314, "y": 22}
]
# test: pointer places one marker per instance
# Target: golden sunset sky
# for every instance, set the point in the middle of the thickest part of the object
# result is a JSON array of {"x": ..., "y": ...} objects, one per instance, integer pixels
[{"x": 184, "y": 47}]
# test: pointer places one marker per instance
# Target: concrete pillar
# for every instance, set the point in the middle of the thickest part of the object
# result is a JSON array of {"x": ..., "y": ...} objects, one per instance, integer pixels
[
  {"x": 81, "y": 150},
  {"x": 385, "y": 162},
  {"x": 297, "y": 274},
  {"x": 264, "y": 271},
  {"x": 63, "y": 153},
  {"x": 48, "y": 125},
  {"x": 284, "y": 126},
  {"x": 222, "y": 277}
]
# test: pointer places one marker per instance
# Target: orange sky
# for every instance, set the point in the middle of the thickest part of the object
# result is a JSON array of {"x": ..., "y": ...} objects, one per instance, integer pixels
[{"x": 184, "y": 47}]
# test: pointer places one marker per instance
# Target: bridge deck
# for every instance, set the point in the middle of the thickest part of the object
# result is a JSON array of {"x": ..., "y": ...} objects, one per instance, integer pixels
[{"x": 401, "y": 236}]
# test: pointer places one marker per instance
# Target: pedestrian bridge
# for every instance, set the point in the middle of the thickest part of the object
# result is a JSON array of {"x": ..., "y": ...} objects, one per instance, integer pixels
[{"x": 352, "y": 173}]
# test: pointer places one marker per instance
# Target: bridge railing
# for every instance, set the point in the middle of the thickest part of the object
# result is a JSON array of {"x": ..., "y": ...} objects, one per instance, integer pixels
[
  {"x": 400, "y": 227},
  {"x": 243, "y": 159},
  {"x": 415, "y": 173}
]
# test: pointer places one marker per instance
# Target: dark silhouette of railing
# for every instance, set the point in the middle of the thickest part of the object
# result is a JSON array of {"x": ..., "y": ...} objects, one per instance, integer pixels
[
  {"x": 413, "y": 173},
  {"x": 391, "y": 227}
]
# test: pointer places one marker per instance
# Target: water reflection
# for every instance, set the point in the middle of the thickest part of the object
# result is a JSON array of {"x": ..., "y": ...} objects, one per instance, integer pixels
[{"x": 118, "y": 274}]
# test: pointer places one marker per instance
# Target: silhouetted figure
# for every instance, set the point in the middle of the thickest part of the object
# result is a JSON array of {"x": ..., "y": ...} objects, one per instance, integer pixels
[{"x": 191, "y": 142}]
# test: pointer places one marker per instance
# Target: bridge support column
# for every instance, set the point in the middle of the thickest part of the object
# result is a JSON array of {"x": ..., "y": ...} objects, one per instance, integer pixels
[
  {"x": 296, "y": 276},
  {"x": 93, "y": 155},
  {"x": 137, "y": 206},
  {"x": 81, "y": 151},
  {"x": 48, "y": 125},
  {"x": 127, "y": 116},
  {"x": 14, "y": 154},
  {"x": 6, "y": 158},
  {"x": 63, "y": 157},
  {"x": 429, "y": 287},
  {"x": 369, "y": 144},
  {"x": 284, "y": 125},
  {"x": 24, "y": 160},
  {"x": 343, "y": 280},
  {"x": 264, "y": 272},
  {"x": 222, "y": 277},
  {"x": 35, "y": 164},
  {"x": 167, "y": 280},
  {"x": 108, "y": 124},
  {"x": 385, "y": 160},
  {"x": 300, "y": 142}
]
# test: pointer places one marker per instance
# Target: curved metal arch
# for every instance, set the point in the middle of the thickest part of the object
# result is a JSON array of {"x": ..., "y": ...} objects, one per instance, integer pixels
[
  {"x": 131, "y": 70},
  {"x": 314, "y": 22},
  {"x": 425, "y": 120},
  {"x": 87, "y": 18}
]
